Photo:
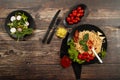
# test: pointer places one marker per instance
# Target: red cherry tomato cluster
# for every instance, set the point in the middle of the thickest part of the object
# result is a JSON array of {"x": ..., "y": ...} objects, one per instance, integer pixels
[
  {"x": 75, "y": 16},
  {"x": 86, "y": 56},
  {"x": 65, "y": 61}
]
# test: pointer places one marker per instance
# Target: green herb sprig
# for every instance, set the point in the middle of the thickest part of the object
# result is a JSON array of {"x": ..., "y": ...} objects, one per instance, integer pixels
[{"x": 84, "y": 41}]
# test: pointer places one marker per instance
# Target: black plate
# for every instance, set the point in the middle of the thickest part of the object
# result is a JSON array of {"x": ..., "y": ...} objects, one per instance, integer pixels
[
  {"x": 30, "y": 20},
  {"x": 64, "y": 46},
  {"x": 77, "y": 68},
  {"x": 85, "y": 8}
]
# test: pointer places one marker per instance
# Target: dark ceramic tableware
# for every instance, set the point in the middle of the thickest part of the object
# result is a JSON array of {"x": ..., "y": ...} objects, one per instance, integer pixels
[
  {"x": 64, "y": 47},
  {"x": 30, "y": 20},
  {"x": 81, "y": 28},
  {"x": 84, "y": 7}
]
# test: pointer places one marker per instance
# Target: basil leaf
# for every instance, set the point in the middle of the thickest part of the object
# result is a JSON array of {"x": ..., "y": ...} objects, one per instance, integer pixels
[
  {"x": 86, "y": 37},
  {"x": 82, "y": 42},
  {"x": 85, "y": 47}
]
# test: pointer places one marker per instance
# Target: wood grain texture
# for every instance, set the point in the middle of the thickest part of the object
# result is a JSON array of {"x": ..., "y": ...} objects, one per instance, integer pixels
[{"x": 32, "y": 60}]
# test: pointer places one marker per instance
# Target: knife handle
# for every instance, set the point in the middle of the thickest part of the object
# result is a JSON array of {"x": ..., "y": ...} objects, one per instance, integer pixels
[{"x": 45, "y": 37}]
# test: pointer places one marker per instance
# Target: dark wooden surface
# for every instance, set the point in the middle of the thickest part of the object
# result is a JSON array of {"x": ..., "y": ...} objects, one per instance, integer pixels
[{"x": 31, "y": 60}]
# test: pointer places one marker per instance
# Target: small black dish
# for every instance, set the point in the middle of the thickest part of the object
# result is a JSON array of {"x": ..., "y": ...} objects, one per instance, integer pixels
[
  {"x": 84, "y": 7},
  {"x": 30, "y": 20}
]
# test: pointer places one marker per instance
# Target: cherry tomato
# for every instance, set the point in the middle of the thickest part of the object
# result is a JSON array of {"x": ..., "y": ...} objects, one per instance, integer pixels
[
  {"x": 72, "y": 18},
  {"x": 74, "y": 11},
  {"x": 79, "y": 8},
  {"x": 76, "y": 33},
  {"x": 79, "y": 56},
  {"x": 71, "y": 15},
  {"x": 78, "y": 15},
  {"x": 77, "y": 18},
  {"x": 68, "y": 19},
  {"x": 74, "y": 14},
  {"x": 75, "y": 21},
  {"x": 65, "y": 61},
  {"x": 81, "y": 11}
]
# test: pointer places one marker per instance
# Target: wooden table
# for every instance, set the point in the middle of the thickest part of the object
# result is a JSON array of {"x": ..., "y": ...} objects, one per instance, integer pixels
[{"x": 31, "y": 60}]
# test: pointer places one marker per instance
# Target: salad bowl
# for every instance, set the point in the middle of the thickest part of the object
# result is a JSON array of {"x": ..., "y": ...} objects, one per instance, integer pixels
[{"x": 19, "y": 25}]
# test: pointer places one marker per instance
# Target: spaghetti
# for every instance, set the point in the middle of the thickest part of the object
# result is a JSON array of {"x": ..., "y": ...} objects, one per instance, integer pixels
[{"x": 94, "y": 40}]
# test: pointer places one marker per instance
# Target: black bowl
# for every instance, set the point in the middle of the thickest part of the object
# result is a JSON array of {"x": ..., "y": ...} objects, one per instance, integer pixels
[
  {"x": 64, "y": 47},
  {"x": 84, "y": 7},
  {"x": 30, "y": 20}
]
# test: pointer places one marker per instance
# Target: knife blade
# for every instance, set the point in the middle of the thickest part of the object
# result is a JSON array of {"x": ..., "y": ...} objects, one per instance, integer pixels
[{"x": 50, "y": 26}]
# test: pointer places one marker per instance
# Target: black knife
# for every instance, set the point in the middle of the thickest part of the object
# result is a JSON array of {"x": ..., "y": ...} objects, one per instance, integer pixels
[{"x": 50, "y": 26}]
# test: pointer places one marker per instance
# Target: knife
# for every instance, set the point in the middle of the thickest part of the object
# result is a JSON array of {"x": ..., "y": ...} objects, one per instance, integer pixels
[
  {"x": 54, "y": 29},
  {"x": 50, "y": 26}
]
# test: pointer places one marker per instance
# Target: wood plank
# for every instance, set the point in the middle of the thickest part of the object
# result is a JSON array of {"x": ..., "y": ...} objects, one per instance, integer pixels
[
  {"x": 57, "y": 3},
  {"x": 95, "y": 17},
  {"x": 103, "y": 71},
  {"x": 45, "y": 72},
  {"x": 55, "y": 71}
]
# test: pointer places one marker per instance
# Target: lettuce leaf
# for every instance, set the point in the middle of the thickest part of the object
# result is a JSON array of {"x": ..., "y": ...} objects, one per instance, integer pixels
[{"x": 73, "y": 53}]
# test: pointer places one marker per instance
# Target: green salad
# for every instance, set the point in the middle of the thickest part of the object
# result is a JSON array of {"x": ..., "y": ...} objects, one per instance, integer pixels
[{"x": 19, "y": 25}]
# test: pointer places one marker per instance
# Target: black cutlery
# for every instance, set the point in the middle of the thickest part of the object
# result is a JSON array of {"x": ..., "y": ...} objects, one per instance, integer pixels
[
  {"x": 50, "y": 26},
  {"x": 54, "y": 29}
]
